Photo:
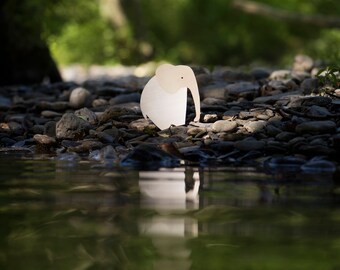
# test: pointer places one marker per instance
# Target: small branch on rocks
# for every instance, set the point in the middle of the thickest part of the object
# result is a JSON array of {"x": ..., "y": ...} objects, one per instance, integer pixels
[{"x": 253, "y": 7}]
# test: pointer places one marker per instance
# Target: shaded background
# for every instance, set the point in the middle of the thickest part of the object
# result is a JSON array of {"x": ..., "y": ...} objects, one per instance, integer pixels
[{"x": 41, "y": 35}]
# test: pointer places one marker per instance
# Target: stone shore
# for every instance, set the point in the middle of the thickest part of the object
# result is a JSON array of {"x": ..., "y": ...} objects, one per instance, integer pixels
[{"x": 271, "y": 118}]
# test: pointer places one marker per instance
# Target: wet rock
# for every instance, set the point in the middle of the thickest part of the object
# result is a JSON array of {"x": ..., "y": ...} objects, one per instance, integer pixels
[
  {"x": 16, "y": 128},
  {"x": 107, "y": 153},
  {"x": 133, "y": 97},
  {"x": 255, "y": 126},
  {"x": 80, "y": 97},
  {"x": 303, "y": 63},
  {"x": 86, "y": 146},
  {"x": 71, "y": 127},
  {"x": 224, "y": 126},
  {"x": 317, "y": 165},
  {"x": 69, "y": 157},
  {"x": 6, "y": 141},
  {"x": 87, "y": 115},
  {"x": 249, "y": 144},
  {"x": 316, "y": 127},
  {"x": 284, "y": 164},
  {"x": 147, "y": 156}
]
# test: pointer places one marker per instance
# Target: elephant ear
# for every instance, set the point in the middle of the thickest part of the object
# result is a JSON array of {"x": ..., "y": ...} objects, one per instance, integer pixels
[{"x": 168, "y": 77}]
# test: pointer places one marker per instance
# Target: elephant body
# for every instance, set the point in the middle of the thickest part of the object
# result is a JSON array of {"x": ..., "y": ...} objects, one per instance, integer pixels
[
  {"x": 163, "y": 108},
  {"x": 164, "y": 98}
]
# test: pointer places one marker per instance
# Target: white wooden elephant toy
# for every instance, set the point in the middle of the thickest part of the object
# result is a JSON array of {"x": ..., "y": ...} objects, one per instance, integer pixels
[{"x": 164, "y": 98}]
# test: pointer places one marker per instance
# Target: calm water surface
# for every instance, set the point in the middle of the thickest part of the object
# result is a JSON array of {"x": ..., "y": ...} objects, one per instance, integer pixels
[{"x": 81, "y": 215}]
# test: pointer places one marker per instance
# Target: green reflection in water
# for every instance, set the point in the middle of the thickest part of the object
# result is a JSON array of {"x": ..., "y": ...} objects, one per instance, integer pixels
[{"x": 80, "y": 216}]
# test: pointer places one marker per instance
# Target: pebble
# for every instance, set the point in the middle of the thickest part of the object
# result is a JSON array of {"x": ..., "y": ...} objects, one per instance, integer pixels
[
  {"x": 71, "y": 127},
  {"x": 255, "y": 126},
  {"x": 224, "y": 126},
  {"x": 244, "y": 117},
  {"x": 80, "y": 97},
  {"x": 87, "y": 115}
]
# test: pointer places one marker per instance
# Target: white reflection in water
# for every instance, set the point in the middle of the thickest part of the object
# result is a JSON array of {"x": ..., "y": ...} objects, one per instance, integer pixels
[{"x": 168, "y": 191}]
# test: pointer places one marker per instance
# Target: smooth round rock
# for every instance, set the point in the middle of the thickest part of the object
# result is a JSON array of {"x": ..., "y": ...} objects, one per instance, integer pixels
[
  {"x": 224, "y": 126},
  {"x": 79, "y": 97},
  {"x": 316, "y": 127},
  {"x": 255, "y": 126}
]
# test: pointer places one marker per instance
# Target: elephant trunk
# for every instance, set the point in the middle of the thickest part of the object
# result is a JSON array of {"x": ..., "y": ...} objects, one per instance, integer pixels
[{"x": 193, "y": 87}]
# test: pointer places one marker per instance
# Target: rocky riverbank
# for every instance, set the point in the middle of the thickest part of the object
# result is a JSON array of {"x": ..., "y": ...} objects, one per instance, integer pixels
[{"x": 276, "y": 118}]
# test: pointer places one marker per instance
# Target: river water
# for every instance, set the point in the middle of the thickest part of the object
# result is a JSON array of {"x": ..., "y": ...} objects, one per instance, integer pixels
[{"x": 83, "y": 215}]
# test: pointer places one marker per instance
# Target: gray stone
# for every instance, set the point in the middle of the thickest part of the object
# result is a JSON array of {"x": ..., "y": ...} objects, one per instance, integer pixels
[
  {"x": 318, "y": 111},
  {"x": 316, "y": 127},
  {"x": 224, "y": 126},
  {"x": 71, "y": 127},
  {"x": 235, "y": 75},
  {"x": 87, "y": 115},
  {"x": 285, "y": 136},
  {"x": 125, "y": 98},
  {"x": 213, "y": 101},
  {"x": 142, "y": 124},
  {"x": 213, "y": 91},
  {"x": 242, "y": 88},
  {"x": 50, "y": 114},
  {"x": 80, "y": 97},
  {"x": 99, "y": 102},
  {"x": 249, "y": 144},
  {"x": 196, "y": 130},
  {"x": 210, "y": 118},
  {"x": 255, "y": 126}
]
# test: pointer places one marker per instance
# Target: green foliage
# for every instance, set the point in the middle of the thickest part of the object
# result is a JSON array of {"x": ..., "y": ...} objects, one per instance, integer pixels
[
  {"x": 330, "y": 76},
  {"x": 182, "y": 31}
]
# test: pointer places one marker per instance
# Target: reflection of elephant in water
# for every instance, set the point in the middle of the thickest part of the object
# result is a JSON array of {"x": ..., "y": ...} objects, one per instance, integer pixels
[{"x": 164, "y": 98}]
